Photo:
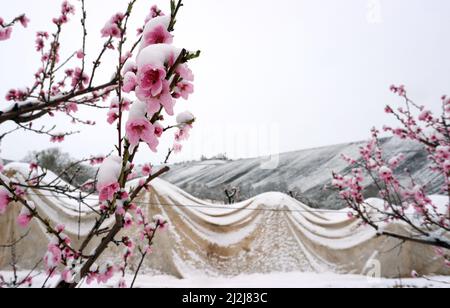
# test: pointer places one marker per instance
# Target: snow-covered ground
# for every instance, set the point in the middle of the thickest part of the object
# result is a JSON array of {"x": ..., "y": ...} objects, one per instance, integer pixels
[{"x": 276, "y": 280}]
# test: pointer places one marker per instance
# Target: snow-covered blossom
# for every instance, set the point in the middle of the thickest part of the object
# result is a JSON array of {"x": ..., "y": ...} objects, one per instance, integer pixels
[
  {"x": 386, "y": 174},
  {"x": 155, "y": 32},
  {"x": 157, "y": 35},
  {"x": 129, "y": 82},
  {"x": 108, "y": 177},
  {"x": 53, "y": 256},
  {"x": 139, "y": 128},
  {"x": 185, "y": 118}
]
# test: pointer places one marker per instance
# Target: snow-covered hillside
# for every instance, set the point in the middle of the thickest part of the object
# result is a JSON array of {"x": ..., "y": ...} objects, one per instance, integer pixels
[{"x": 304, "y": 172}]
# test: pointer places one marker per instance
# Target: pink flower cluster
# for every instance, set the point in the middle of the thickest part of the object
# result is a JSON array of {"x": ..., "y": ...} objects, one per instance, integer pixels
[
  {"x": 115, "y": 108},
  {"x": 41, "y": 37},
  {"x": 101, "y": 274},
  {"x": 401, "y": 199},
  {"x": 154, "y": 12},
  {"x": 79, "y": 78},
  {"x": 66, "y": 10},
  {"x": 156, "y": 83},
  {"x": 17, "y": 95},
  {"x": 6, "y": 30},
  {"x": 113, "y": 27},
  {"x": 57, "y": 138},
  {"x": 59, "y": 253},
  {"x": 5, "y": 33}
]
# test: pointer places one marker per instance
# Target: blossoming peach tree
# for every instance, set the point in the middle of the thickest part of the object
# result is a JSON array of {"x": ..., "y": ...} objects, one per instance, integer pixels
[
  {"x": 156, "y": 74},
  {"x": 410, "y": 202}
]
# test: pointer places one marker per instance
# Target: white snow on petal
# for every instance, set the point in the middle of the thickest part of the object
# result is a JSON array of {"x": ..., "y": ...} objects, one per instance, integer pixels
[
  {"x": 110, "y": 170},
  {"x": 185, "y": 117},
  {"x": 157, "y": 55},
  {"x": 137, "y": 111}
]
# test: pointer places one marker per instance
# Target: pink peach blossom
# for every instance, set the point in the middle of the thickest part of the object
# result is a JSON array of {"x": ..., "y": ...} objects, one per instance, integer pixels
[
  {"x": 141, "y": 129},
  {"x": 128, "y": 221},
  {"x": 24, "y": 218},
  {"x": 57, "y": 138},
  {"x": 159, "y": 129},
  {"x": 151, "y": 78},
  {"x": 5, "y": 34},
  {"x": 67, "y": 275},
  {"x": 154, "y": 103},
  {"x": 80, "y": 54},
  {"x": 159, "y": 35},
  {"x": 107, "y": 191},
  {"x": 24, "y": 21},
  {"x": 129, "y": 82},
  {"x": 146, "y": 170},
  {"x": 185, "y": 72},
  {"x": 53, "y": 256},
  {"x": 5, "y": 200},
  {"x": 112, "y": 116},
  {"x": 184, "y": 89},
  {"x": 71, "y": 107}
]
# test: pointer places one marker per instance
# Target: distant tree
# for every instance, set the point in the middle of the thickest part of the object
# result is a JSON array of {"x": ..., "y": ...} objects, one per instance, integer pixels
[
  {"x": 231, "y": 194},
  {"x": 60, "y": 163}
]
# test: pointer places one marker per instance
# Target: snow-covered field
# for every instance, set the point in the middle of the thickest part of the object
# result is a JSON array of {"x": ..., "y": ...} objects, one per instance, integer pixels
[
  {"x": 276, "y": 280},
  {"x": 304, "y": 173}
]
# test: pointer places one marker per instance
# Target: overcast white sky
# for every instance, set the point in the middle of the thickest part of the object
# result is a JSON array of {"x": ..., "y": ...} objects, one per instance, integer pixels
[{"x": 274, "y": 76}]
